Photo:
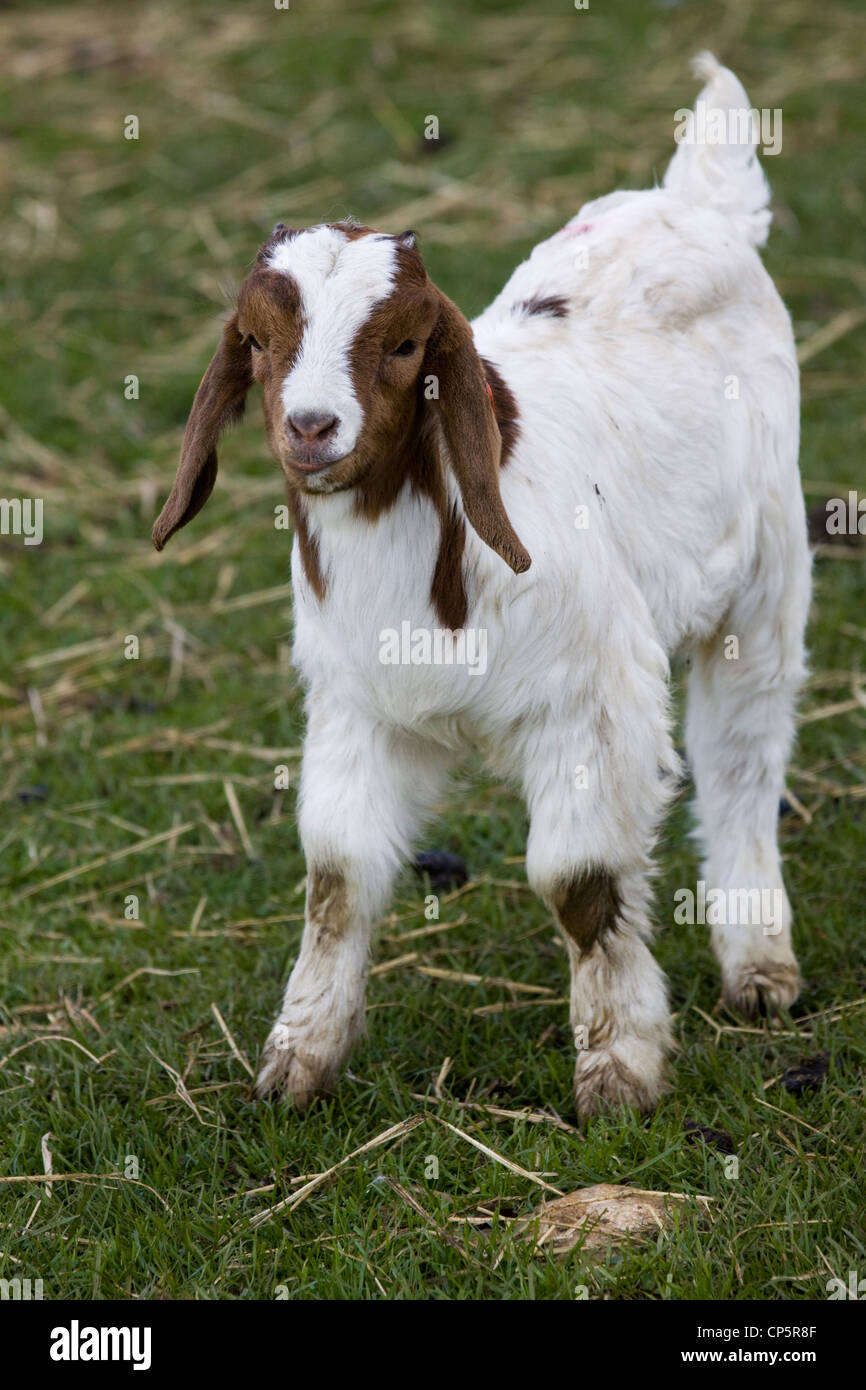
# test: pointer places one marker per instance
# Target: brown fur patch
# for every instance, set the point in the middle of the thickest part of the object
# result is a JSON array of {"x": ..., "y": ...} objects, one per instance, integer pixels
[
  {"x": 308, "y": 545},
  {"x": 269, "y": 310},
  {"x": 587, "y": 908},
  {"x": 327, "y": 903},
  {"x": 552, "y": 306},
  {"x": 504, "y": 408},
  {"x": 448, "y": 590},
  {"x": 351, "y": 230}
]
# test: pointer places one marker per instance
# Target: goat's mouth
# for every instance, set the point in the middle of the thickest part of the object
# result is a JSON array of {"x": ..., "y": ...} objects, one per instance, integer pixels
[
  {"x": 312, "y": 459},
  {"x": 312, "y": 472},
  {"x": 310, "y": 463}
]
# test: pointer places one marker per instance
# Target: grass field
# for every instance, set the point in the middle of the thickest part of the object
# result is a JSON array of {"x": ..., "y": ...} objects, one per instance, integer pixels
[{"x": 153, "y": 777}]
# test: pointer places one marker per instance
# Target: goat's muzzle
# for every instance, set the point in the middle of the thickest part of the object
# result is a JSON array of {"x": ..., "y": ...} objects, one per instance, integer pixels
[{"x": 311, "y": 436}]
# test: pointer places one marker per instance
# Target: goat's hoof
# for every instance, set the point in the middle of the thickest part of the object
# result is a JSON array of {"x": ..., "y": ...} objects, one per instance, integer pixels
[
  {"x": 762, "y": 988},
  {"x": 630, "y": 1072},
  {"x": 287, "y": 1073}
]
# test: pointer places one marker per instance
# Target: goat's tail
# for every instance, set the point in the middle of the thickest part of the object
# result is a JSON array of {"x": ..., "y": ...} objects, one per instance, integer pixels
[{"x": 716, "y": 163}]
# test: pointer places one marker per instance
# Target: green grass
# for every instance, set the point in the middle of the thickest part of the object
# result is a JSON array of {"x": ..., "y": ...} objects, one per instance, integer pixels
[{"x": 118, "y": 257}]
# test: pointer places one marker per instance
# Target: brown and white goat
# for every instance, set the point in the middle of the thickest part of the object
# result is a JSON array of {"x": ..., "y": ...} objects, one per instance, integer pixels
[{"x": 584, "y": 420}]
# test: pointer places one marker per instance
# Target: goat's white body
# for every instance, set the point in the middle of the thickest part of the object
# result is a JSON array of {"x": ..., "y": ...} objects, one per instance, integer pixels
[
  {"x": 676, "y": 431},
  {"x": 654, "y": 483}
]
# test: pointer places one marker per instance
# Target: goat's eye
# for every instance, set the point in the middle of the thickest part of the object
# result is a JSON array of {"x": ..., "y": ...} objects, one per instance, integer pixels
[
  {"x": 405, "y": 349},
  {"x": 254, "y": 342}
]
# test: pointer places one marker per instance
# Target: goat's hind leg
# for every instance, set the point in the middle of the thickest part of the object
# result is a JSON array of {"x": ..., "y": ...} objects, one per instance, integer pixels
[
  {"x": 364, "y": 790},
  {"x": 739, "y": 731}
]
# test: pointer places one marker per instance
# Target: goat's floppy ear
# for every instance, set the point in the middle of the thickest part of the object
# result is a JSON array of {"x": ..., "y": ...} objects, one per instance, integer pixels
[
  {"x": 218, "y": 401},
  {"x": 470, "y": 431}
]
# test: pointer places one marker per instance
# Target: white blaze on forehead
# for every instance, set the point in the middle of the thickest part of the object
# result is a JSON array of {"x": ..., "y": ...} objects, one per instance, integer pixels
[{"x": 339, "y": 282}]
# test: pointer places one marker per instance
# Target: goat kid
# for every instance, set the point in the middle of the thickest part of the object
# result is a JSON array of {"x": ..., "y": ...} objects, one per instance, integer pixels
[{"x": 625, "y": 413}]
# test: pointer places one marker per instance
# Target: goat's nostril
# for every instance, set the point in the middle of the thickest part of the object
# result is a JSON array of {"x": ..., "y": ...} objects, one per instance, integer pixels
[{"x": 312, "y": 425}]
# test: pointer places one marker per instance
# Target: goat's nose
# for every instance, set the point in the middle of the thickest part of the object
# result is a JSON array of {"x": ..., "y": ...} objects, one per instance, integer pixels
[{"x": 312, "y": 426}]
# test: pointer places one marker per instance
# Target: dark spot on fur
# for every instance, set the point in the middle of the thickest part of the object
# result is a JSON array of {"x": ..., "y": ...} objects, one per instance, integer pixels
[
  {"x": 327, "y": 903},
  {"x": 587, "y": 908},
  {"x": 553, "y": 306}
]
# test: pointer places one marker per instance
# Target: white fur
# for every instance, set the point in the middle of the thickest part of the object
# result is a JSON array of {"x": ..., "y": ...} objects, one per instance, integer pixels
[{"x": 696, "y": 531}]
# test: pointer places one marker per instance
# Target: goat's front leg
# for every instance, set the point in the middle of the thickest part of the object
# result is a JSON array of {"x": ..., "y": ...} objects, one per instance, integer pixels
[
  {"x": 596, "y": 790},
  {"x": 364, "y": 789}
]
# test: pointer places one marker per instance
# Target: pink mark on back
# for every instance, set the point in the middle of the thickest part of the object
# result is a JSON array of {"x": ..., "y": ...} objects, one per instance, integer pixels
[{"x": 575, "y": 228}]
